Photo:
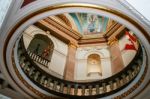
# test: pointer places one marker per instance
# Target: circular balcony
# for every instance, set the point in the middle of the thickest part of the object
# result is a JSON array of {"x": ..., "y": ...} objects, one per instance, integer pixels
[{"x": 64, "y": 88}]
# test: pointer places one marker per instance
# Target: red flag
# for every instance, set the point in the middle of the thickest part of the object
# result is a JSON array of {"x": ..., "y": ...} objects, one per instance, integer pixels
[
  {"x": 132, "y": 39},
  {"x": 129, "y": 47}
]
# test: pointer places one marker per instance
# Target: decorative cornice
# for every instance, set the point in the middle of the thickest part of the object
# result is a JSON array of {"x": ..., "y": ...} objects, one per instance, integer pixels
[
  {"x": 63, "y": 28},
  {"x": 92, "y": 41},
  {"x": 64, "y": 19},
  {"x": 112, "y": 30}
]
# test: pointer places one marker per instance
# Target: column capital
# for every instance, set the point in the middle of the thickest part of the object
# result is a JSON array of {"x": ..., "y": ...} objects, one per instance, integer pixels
[
  {"x": 113, "y": 41},
  {"x": 73, "y": 45}
]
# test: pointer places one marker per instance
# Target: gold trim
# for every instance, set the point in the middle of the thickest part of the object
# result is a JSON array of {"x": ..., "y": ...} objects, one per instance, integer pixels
[{"x": 69, "y": 5}]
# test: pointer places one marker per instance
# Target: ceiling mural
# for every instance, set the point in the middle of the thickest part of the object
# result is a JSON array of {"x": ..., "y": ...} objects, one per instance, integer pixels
[{"x": 90, "y": 23}]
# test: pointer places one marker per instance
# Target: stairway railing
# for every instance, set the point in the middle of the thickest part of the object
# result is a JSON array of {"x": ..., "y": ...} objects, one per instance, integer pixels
[{"x": 38, "y": 58}]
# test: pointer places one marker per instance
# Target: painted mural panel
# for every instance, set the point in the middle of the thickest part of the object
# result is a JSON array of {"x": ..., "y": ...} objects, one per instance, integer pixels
[{"x": 90, "y": 23}]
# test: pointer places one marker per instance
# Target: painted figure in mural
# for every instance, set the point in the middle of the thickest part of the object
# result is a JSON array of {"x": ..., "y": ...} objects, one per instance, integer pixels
[
  {"x": 91, "y": 26},
  {"x": 46, "y": 52},
  {"x": 36, "y": 51}
]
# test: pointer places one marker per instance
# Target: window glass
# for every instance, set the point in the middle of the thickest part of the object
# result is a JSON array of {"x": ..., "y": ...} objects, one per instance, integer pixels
[{"x": 4, "y": 5}]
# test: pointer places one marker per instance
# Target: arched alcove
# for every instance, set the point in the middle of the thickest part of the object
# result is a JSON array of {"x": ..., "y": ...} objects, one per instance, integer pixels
[
  {"x": 94, "y": 64},
  {"x": 41, "y": 45}
]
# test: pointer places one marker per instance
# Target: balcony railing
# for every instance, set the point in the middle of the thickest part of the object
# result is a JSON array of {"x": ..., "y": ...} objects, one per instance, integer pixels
[
  {"x": 38, "y": 58},
  {"x": 77, "y": 90}
]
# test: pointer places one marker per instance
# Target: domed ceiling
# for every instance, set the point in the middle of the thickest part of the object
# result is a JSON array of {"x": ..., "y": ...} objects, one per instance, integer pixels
[{"x": 88, "y": 46}]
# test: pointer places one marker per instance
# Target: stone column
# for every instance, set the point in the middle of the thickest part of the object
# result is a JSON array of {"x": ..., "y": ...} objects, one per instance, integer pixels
[
  {"x": 70, "y": 63},
  {"x": 116, "y": 57}
]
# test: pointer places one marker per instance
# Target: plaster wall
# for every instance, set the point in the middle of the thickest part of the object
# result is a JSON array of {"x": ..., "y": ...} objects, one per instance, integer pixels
[{"x": 81, "y": 62}]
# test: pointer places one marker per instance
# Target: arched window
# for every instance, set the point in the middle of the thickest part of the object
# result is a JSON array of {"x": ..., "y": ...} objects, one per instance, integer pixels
[
  {"x": 41, "y": 45},
  {"x": 94, "y": 64}
]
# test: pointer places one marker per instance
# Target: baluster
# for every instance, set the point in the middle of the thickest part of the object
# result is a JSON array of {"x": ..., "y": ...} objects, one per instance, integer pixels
[
  {"x": 123, "y": 78},
  {"x": 75, "y": 89},
  {"x": 117, "y": 82},
  {"x": 83, "y": 90},
  {"x": 31, "y": 54},
  {"x": 43, "y": 62},
  {"x": 130, "y": 74},
  {"x": 45, "y": 82},
  {"x": 55, "y": 85},
  {"x": 37, "y": 58},
  {"x": 137, "y": 69},
  {"x": 46, "y": 63},
  {"x": 97, "y": 89},
  {"x": 36, "y": 75},
  {"x": 90, "y": 90},
  {"x": 26, "y": 66},
  {"x": 42, "y": 79},
  {"x": 31, "y": 71},
  {"x": 68, "y": 89},
  {"x": 62, "y": 87},
  {"x": 34, "y": 57},
  {"x": 104, "y": 87},
  {"x": 111, "y": 85},
  {"x": 49, "y": 82}
]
